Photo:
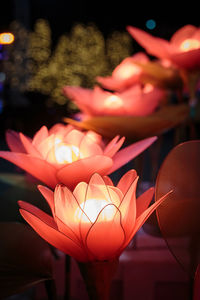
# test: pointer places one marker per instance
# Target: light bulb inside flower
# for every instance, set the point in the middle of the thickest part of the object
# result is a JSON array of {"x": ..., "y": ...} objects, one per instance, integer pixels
[
  {"x": 92, "y": 208},
  {"x": 113, "y": 102},
  {"x": 127, "y": 70},
  {"x": 189, "y": 44},
  {"x": 66, "y": 153}
]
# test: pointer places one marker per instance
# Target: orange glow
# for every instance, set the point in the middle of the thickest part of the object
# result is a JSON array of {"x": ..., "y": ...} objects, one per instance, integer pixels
[
  {"x": 148, "y": 88},
  {"x": 92, "y": 207},
  {"x": 96, "y": 221},
  {"x": 66, "y": 153},
  {"x": 126, "y": 71},
  {"x": 113, "y": 101},
  {"x": 6, "y": 38},
  {"x": 189, "y": 44}
]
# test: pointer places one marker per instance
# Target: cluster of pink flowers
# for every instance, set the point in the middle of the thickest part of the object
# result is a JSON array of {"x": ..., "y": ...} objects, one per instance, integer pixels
[
  {"x": 86, "y": 206},
  {"x": 138, "y": 88}
]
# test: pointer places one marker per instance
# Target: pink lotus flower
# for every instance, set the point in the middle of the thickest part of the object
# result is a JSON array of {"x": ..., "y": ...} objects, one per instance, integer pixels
[
  {"x": 67, "y": 155},
  {"x": 136, "y": 101},
  {"x": 94, "y": 222},
  {"x": 126, "y": 74},
  {"x": 183, "y": 49}
]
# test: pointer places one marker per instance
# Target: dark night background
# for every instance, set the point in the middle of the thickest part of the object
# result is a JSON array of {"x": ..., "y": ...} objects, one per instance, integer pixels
[{"x": 108, "y": 15}]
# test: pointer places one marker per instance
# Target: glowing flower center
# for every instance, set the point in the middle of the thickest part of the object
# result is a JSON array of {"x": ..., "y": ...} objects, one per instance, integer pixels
[
  {"x": 113, "y": 101},
  {"x": 127, "y": 71},
  {"x": 92, "y": 208},
  {"x": 189, "y": 44},
  {"x": 65, "y": 153},
  {"x": 147, "y": 88}
]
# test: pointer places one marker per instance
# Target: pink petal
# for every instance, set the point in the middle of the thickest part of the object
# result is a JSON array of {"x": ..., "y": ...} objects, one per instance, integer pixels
[
  {"x": 116, "y": 195},
  {"x": 80, "y": 192},
  {"x": 153, "y": 45},
  {"x": 125, "y": 155},
  {"x": 89, "y": 148},
  {"x": 97, "y": 190},
  {"x": 74, "y": 137},
  {"x": 48, "y": 195},
  {"x": 37, "y": 167},
  {"x": 111, "y": 144},
  {"x": 104, "y": 239},
  {"x": 14, "y": 142},
  {"x": 182, "y": 34},
  {"x": 112, "y": 83},
  {"x": 38, "y": 213},
  {"x": 82, "y": 170},
  {"x": 112, "y": 147},
  {"x": 128, "y": 208},
  {"x": 108, "y": 181},
  {"x": 143, "y": 201},
  {"x": 187, "y": 60},
  {"x": 40, "y": 136},
  {"x": 126, "y": 180},
  {"x": 54, "y": 237},
  {"x": 66, "y": 209},
  {"x": 144, "y": 216},
  {"x": 30, "y": 148}
]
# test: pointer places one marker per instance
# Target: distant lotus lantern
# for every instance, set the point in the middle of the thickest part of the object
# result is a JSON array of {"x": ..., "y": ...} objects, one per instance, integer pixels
[
  {"x": 67, "y": 155},
  {"x": 183, "y": 49},
  {"x": 135, "y": 101},
  {"x": 126, "y": 74}
]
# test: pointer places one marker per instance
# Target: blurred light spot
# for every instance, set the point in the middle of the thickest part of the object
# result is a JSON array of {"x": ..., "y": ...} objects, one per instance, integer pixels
[
  {"x": 2, "y": 76},
  {"x": 189, "y": 44},
  {"x": 6, "y": 38},
  {"x": 151, "y": 24},
  {"x": 1, "y": 87}
]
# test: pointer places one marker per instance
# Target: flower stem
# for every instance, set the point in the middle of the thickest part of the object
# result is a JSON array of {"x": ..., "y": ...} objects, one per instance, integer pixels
[{"x": 98, "y": 276}]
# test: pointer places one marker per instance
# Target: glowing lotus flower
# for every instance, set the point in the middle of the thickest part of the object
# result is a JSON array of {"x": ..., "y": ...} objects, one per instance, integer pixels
[
  {"x": 94, "y": 222},
  {"x": 136, "y": 101},
  {"x": 125, "y": 74},
  {"x": 183, "y": 49},
  {"x": 67, "y": 155}
]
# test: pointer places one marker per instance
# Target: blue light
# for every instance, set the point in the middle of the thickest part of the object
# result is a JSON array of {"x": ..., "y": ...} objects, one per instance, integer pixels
[
  {"x": 1, "y": 105},
  {"x": 151, "y": 24}
]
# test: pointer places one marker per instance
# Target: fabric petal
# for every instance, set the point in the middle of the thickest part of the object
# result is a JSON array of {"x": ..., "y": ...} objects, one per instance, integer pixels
[
  {"x": 143, "y": 201},
  {"x": 37, "y": 167},
  {"x": 126, "y": 180},
  {"x": 111, "y": 144},
  {"x": 81, "y": 170},
  {"x": 104, "y": 239},
  {"x": 144, "y": 216},
  {"x": 38, "y": 213},
  {"x": 54, "y": 237},
  {"x": 153, "y": 45},
  {"x": 14, "y": 142},
  {"x": 110, "y": 151},
  {"x": 48, "y": 195},
  {"x": 108, "y": 180},
  {"x": 67, "y": 209},
  {"x": 74, "y": 137},
  {"x": 182, "y": 34},
  {"x": 30, "y": 148},
  {"x": 40, "y": 135},
  {"x": 126, "y": 154},
  {"x": 128, "y": 208},
  {"x": 89, "y": 148}
]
